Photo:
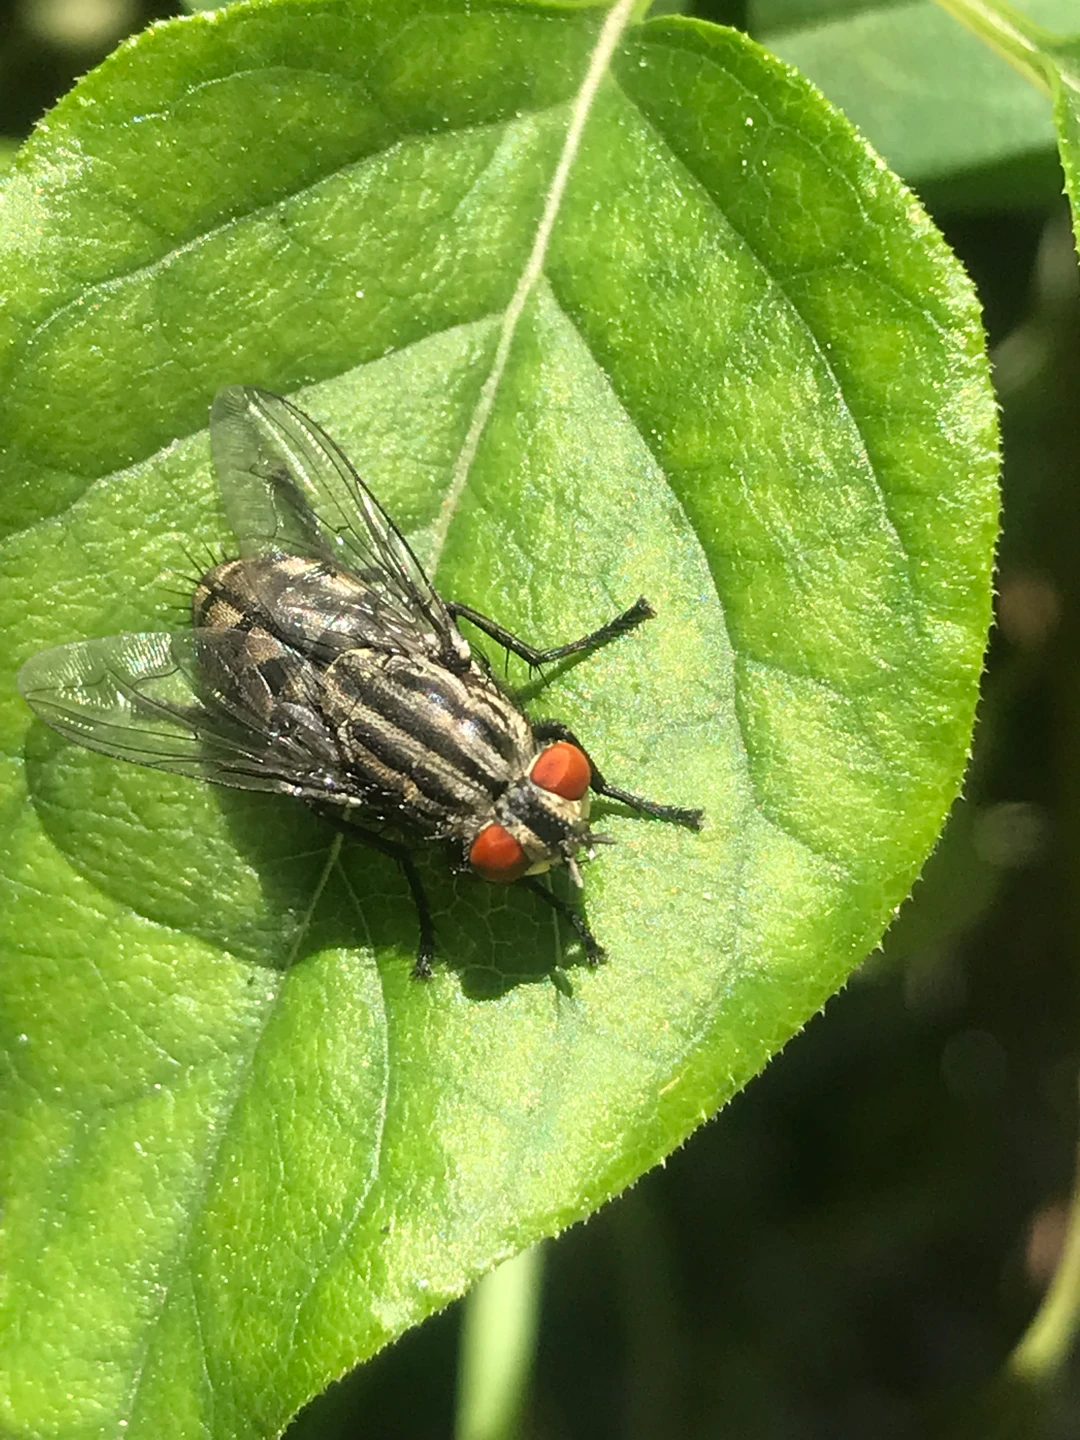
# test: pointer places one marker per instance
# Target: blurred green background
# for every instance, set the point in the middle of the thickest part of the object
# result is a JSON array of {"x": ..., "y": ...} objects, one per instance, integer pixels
[{"x": 854, "y": 1246}]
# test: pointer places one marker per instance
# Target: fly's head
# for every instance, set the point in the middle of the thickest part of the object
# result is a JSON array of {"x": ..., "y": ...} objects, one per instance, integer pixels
[{"x": 540, "y": 820}]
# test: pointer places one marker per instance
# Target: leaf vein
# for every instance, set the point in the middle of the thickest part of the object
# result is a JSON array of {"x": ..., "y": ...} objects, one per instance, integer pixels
[{"x": 222, "y": 1125}]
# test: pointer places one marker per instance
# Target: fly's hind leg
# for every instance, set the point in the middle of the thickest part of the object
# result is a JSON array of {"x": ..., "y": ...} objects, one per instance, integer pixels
[
  {"x": 425, "y": 952},
  {"x": 640, "y": 611},
  {"x": 677, "y": 814}
]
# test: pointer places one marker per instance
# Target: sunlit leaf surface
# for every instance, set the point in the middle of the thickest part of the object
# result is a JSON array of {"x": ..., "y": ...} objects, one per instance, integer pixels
[{"x": 742, "y": 376}]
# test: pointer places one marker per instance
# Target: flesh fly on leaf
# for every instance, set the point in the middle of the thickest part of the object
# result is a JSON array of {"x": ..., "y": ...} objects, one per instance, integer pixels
[{"x": 323, "y": 664}]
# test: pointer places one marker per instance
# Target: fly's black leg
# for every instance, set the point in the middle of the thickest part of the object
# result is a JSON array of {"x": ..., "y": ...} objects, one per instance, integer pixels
[
  {"x": 640, "y": 611},
  {"x": 555, "y": 730},
  {"x": 425, "y": 952},
  {"x": 594, "y": 951}
]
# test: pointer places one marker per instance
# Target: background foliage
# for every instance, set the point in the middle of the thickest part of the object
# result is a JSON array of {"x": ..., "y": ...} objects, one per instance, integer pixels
[{"x": 856, "y": 1245}]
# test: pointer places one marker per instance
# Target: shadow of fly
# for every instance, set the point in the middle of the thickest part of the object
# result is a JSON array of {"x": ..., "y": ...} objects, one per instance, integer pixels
[{"x": 322, "y": 663}]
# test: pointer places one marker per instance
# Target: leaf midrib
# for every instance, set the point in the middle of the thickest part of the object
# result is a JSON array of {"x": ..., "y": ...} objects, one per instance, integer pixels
[{"x": 222, "y": 1130}]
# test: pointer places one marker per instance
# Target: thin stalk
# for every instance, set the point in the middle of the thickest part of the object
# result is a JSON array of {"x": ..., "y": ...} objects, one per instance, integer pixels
[
  {"x": 1050, "y": 1336},
  {"x": 1016, "y": 38},
  {"x": 498, "y": 1341}
]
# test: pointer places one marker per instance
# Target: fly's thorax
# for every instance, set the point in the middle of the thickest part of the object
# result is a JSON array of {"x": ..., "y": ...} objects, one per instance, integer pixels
[
  {"x": 465, "y": 718},
  {"x": 438, "y": 748}
]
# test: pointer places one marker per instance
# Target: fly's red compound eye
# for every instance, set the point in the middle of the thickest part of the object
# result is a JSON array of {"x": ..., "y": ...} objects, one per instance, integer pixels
[
  {"x": 496, "y": 855},
  {"x": 563, "y": 769}
]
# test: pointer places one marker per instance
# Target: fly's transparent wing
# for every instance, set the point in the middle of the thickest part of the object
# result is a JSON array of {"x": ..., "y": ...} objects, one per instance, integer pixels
[
  {"x": 289, "y": 489},
  {"x": 166, "y": 701}
]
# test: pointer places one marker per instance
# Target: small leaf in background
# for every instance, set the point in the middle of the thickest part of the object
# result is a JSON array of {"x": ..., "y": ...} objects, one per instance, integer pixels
[
  {"x": 944, "y": 110},
  {"x": 1064, "y": 72},
  {"x": 732, "y": 367},
  {"x": 1044, "y": 61}
]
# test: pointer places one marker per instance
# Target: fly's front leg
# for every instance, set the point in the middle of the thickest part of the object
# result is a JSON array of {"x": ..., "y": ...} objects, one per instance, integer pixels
[
  {"x": 640, "y": 611},
  {"x": 594, "y": 951},
  {"x": 425, "y": 952},
  {"x": 554, "y": 730}
]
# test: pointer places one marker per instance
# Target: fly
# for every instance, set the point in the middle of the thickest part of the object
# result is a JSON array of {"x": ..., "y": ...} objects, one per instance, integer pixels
[{"x": 323, "y": 664}]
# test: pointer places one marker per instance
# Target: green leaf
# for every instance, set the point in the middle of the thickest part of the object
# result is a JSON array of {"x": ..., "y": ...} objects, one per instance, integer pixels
[
  {"x": 765, "y": 16},
  {"x": 1046, "y": 62},
  {"x": 941, "y": 107},
  {"x": 730, "y": 366},
  {"x": 1064, "y": 76}
]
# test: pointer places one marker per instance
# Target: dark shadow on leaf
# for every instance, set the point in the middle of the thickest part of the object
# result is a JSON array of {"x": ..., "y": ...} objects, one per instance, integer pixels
[{"x": 254, "y": 874}]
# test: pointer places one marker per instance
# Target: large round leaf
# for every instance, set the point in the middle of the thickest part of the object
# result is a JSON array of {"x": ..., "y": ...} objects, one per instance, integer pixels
[{"x": 664, "y": 327}]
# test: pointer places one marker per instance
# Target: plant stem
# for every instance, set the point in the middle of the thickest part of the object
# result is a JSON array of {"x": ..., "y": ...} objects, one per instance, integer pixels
[
  {"x": 1050, "y": 1335},
  {"x": 497, "y": 1345},
  {"x": 1016, "y": 38}
]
